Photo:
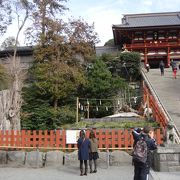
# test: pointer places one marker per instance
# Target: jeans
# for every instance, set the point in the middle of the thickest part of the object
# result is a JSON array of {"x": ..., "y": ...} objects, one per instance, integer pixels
[{"x": 140, "y": 171}]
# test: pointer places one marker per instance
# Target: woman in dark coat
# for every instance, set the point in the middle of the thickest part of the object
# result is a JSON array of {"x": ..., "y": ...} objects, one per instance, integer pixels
[{"x": 83, "y": 144}]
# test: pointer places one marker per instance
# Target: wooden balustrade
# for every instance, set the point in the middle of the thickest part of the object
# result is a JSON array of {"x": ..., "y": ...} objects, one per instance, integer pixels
[
  {"x": 158, "y": 112},
  {"x": 112, "y": 139},
  {"x": 156, "y": 45}
]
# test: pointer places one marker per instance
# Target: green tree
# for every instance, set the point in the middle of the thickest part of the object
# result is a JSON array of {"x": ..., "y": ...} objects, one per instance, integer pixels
[
  {"x": 101, "y": 85},
  {"x": 109, "y": 43},
  {"x": 99, "y": 80},
  {"x": 37, "y": 113},
  {"x": 57, "y": 81},
  {"x": 82, "y": 37},
  {"x": 130, "y": 63},
  {"x": 58, "y": 72}
]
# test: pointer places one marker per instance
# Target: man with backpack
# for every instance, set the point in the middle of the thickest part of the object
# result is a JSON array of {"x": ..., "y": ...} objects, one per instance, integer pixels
[{"x": 144, "y": 143}]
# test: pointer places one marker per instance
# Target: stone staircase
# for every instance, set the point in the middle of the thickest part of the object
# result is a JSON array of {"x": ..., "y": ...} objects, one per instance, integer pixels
[{"x": 167, "y": 159}]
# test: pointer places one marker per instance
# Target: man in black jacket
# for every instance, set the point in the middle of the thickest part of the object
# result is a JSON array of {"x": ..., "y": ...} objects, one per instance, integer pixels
[{"x": 141, "y": 170}]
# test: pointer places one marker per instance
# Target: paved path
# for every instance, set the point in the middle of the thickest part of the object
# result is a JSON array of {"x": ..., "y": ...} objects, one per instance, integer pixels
[
  {"x": 72, "y": 173},
  {"x": 165, "y": 175},
  {"x": 168, "y": 90},
  {"x": 65, "y": 173}
]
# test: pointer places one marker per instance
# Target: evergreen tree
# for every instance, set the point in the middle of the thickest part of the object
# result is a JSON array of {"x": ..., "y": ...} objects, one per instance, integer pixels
[
  {"x": 130, "y": 62},
  {"x": 57, "y": 72},
  {"x": 101, "y": 85}
]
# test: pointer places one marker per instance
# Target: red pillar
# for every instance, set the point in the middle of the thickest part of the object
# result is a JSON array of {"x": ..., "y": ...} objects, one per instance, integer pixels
[
  {"x": 168, "y": 57},
  {"x": 145, "y": 56}
]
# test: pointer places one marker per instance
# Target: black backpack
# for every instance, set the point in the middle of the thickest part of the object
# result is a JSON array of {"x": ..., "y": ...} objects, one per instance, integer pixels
[{"x": 140, "y": 151}]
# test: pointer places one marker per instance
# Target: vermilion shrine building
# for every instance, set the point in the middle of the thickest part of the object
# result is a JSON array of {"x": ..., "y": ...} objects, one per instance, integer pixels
[{"x": 155, "y": 35}]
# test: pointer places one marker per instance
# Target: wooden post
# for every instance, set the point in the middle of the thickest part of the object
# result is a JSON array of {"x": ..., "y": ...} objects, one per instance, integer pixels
[
  {"x": 147, "y": 106},
  {"x": 88, "y": 110},
  {"x": 77, "y": 109},
  {"x": 107, "y": 157},
  {"x": 144, "y": 36},
  {"x": 125, "y": 96},
  {"x": 129, "y": 98},
  {"x": 147, "y": 100}
]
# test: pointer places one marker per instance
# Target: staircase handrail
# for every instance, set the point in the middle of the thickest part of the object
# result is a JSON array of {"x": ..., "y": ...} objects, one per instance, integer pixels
[{"x": 168, "y": 117}]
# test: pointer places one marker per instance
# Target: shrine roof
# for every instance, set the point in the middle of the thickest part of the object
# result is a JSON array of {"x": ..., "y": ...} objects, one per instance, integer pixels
[
  {"x": 21, "y": 51},
  {"x": 149, "y": 19}
]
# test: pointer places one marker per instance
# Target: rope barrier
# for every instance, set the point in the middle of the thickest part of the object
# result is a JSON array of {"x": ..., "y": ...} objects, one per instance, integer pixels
[{"x": 59, "y": 148}]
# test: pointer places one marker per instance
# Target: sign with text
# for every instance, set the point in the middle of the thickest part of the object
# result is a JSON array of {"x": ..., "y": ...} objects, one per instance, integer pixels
[{"x": 72, "y": 136}]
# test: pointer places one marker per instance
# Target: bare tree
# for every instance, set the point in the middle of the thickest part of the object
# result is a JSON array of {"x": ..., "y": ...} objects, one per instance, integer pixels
[{"x": 11, "y": 100}]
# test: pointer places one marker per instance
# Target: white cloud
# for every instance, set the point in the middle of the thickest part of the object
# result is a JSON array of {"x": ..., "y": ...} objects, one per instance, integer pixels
[
  {"x": 103, "y": 18},
  {"x": 147, "y": 2}
]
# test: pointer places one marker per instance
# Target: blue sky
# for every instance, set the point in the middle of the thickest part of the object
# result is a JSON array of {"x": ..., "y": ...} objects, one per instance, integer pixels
[{"x": 104, "y": 13}]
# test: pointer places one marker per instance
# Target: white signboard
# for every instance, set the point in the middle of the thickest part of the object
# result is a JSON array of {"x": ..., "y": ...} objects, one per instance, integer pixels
[{"x": 72, "y": 136}]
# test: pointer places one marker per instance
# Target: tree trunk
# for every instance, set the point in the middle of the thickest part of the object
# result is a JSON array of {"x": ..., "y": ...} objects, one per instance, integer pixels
[
  {"x": 5, "y": 104},
  {"x": 16, "y": 102},
  {"x": 55, "y": 103},
  {"x": 11, "y": 100}
]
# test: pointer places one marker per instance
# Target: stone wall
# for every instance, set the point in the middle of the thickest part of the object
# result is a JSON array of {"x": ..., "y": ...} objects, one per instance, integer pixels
[
  {"x": 37, "y": 159},
  {"x": 100, "y": 50},
  {"x": 25, "y": 61},
  {"x": 167, "y": 159}
]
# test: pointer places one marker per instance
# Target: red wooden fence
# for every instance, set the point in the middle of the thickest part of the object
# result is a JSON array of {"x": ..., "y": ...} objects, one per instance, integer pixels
[
  {"x": 157, "y": 110},
  {"x": 108, "y": 139}
]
